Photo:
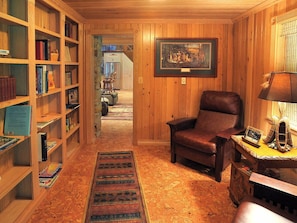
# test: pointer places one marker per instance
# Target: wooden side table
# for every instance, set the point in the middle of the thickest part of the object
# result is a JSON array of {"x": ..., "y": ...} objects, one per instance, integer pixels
[{"x": 248, "y": 159}]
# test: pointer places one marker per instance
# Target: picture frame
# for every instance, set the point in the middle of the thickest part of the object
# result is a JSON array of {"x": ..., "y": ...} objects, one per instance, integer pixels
[
  {"x": 252, "y": 136},
  {"x": 186, "y": 57}
]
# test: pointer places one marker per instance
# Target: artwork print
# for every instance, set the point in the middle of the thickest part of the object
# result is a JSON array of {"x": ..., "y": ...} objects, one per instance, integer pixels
[{"x": 178, "y": 57}]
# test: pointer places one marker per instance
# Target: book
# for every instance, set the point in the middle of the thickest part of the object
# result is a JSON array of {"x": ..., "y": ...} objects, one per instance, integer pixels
[
  {"x": 50, "y": 80},
  {"x": 17, "y": 120},
  {"x": 68, "y": 78},
  {"x": 42, "y": 146},
  {"x": 51, "y": 170},
  {"x": 42, "y": 49},
  {"x": 7, "y": 141},
  {"x": 47, "y": 182},
  {"x": 39, "y": 71},
  {"x": 22, "y": 80},
  {"x": 67, "y": 54},
  {"x": 72, "y": 99},
  {"x": 7, "y": 88},
  {"x": 42, "y": 85},
  {"x": 50, "y": 144},
  {"x": 4, "y": 52}
]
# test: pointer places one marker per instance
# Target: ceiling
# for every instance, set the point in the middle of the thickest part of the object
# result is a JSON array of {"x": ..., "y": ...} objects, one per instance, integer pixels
[{"x": 165, "y": 9}]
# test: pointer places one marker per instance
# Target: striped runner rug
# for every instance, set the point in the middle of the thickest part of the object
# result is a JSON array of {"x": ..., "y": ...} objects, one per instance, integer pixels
[{"x": 116, "y": 194}]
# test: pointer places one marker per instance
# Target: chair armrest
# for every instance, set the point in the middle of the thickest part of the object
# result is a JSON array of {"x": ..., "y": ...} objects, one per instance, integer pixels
[
  {"x": 277, "y": 192},
  {"x": 275, "y": 184},
  {"x": 182, "y": 123},
  {"x": 226, "y": 134}
]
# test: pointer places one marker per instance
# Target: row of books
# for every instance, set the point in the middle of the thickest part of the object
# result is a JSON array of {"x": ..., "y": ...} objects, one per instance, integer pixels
[
  {"x": 71, "y": 30},
  {"x": 42, "y": 49},
  {"x": 49, "y": 175},
  {"x": 7, "y": 88},
  {"x": 44, "y": 79}
]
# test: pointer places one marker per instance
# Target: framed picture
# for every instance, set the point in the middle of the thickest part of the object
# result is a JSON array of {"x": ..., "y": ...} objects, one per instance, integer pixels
[
  {"x": 186, "y": 57},
  {"x": 252, "y": 136}
]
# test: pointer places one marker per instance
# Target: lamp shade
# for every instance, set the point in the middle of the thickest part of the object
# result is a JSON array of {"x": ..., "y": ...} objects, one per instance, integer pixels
[{"x": 281, "y": 86}]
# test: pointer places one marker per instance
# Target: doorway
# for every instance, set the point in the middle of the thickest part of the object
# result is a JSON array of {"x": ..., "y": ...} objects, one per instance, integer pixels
[{"x": 117, "y": 56}]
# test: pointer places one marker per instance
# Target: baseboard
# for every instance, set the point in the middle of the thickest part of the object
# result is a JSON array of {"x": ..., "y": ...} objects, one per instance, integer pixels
[{"x": 152, "y": 143}]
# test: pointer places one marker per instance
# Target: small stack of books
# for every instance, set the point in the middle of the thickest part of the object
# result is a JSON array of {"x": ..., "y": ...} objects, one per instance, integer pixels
[{"x": 49, "y": 175}]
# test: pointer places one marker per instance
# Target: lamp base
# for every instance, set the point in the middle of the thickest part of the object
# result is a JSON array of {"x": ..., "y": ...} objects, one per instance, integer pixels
[
  {"x": 279, "y": 136},
  {"x": 283, "y": 135}
]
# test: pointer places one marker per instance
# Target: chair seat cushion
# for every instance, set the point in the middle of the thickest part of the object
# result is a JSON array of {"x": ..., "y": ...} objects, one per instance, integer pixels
[
  {"x": 197, "y": 139},
  {"x": 254, "y": 210}
]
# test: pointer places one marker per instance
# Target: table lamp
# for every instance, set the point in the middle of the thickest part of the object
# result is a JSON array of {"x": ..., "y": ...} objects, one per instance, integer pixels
[{"x": 280, "y": 87}]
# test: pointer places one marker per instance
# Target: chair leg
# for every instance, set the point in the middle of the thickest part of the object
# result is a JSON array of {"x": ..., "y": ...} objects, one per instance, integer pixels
[
  {"x": 218, "y": 175},
  {"x": 173, "y": 157}
]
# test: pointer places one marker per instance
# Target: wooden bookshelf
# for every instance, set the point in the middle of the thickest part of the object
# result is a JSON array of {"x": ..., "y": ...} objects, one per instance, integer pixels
[{"x": 59, "y": 28}]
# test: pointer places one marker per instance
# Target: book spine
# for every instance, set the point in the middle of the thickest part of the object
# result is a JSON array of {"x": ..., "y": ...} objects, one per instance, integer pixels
[
  {"x": 39, "y": 79},
  {"x": 6, "y": 93},
  {"x": 13, "y": 85},
  {"x": 42, "y": 146},
  {"x": 2, "y": 89},
  {"x": 44, "y": 79}
]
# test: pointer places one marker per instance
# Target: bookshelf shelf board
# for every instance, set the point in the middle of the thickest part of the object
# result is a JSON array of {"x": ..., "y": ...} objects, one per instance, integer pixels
[
  {"x": 72, "y": 130},
  {"x": 71, "y": 63},
  {"x": 12, "y": 177},
  {"x": 71, "y": 41},
  {"x": 10, "y": 20},
  {"x": 13, "y": 211},
  {"x": 21, "y": 139},
  {"x": 46, "y": 33},
  {"x": 46, "y": 120},
  {"x": 17, "y": 100},
  {"x": 8, "y": 60},
  {"x": 50, "y": 92},
  {"x": 68, "y": 111},
  {"x": 71, "y": 86},
  {"x": 48, "y": 62}
]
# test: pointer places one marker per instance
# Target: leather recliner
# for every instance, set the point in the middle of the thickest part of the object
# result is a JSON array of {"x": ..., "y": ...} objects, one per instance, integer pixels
[{"x": 205, "y": 139}]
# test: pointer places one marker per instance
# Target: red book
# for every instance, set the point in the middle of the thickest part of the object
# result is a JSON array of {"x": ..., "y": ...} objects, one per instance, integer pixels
[{"x": 2, "y": 89}]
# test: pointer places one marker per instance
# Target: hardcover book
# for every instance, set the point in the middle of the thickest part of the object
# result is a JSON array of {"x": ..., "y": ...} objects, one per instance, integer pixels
[
  {"x": 18, "y": 120},
  {"x": 42, "y": 146}
]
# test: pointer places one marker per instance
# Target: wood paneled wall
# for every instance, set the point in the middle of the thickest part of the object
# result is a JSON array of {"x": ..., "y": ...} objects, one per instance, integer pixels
[
  {"x": 158, "y": 100},
  {"x": 243, "y": 57},
  {"x": 254, "y": 57}
]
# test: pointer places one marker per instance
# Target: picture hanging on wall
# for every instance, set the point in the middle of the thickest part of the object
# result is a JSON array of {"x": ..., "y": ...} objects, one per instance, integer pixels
[{"x": 186, "y": 57}]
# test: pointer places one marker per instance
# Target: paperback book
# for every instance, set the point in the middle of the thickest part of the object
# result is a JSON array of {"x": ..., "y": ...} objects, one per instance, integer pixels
[
  {"x": 47, "y": 182},
  {"x": 51, "y": 170},
  {"x": 6, "y": 141}
]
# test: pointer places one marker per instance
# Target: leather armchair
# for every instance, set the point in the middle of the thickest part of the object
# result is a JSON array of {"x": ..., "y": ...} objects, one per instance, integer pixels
[
  {"x": 272, "y": 201},
  {"x": 205, "y": 139}
]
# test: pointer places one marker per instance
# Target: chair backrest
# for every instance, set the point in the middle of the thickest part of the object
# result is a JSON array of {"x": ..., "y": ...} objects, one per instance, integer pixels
[{"x": 219, "y": 110}]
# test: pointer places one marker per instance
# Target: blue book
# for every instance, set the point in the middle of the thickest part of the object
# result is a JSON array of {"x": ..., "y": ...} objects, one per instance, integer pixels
[
  {"x": 39, "y": 75},
  {"x": 18, "y": 120}
]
